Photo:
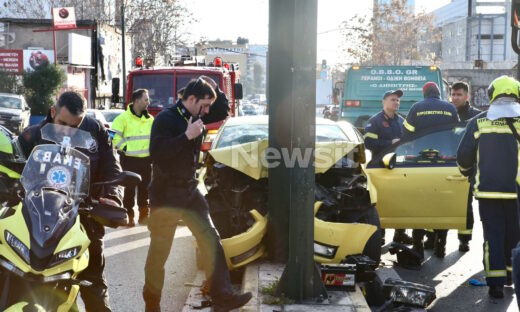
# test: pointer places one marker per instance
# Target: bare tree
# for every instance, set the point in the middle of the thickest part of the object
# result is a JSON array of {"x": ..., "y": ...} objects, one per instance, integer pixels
[
  {"x": 393, "y": 36},
  {"x": 158, "y": 27}
]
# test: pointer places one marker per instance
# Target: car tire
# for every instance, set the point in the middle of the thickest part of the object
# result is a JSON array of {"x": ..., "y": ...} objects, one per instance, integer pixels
[{"x": 369, "y": 216}]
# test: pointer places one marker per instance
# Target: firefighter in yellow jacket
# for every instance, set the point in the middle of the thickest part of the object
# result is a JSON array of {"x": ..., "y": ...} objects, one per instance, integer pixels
[{"x": 132, "y": 141}]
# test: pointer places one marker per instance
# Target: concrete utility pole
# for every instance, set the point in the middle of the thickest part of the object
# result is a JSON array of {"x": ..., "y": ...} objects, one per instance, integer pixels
[
  {"x": 292, "y": 127},
  {"x": 123, "y": 48}
]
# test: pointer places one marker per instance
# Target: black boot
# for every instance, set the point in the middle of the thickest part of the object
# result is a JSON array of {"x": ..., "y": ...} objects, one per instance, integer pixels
[
  {"x": 439, "y": 246},
  {"x": 232, "y": 302},
  {"x": 418, "y": 245},
  {"x": 401, "y": 237},
  {"x": 464, "y": 242},
  {"x": 430, "y": 240},
  {"x": 496, "y": 292}
]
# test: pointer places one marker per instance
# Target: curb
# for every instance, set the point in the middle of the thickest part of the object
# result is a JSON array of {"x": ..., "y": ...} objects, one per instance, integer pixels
[
  {"x": 250, "y": 283},
  {"x": 195, "y": 296}
]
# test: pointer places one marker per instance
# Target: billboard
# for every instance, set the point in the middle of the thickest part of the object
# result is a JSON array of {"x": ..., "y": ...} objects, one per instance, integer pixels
[
  {"x": 33, "y": 59},
  {"x": 80, "y": 50},
  {"x": 11, "y": 61},
  {"x": 64, "y": 18}
]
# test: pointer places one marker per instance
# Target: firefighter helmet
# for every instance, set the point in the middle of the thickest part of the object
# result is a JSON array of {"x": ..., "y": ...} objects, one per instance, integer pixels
[{"x": 503, "y": 86}]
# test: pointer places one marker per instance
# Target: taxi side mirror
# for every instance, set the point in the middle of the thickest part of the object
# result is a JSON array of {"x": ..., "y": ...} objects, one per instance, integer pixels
[{"x": 389, "y": 160}]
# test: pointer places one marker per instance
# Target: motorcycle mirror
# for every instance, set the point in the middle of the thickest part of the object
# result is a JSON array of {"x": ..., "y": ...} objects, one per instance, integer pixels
[{"x": 125, "y": 178}]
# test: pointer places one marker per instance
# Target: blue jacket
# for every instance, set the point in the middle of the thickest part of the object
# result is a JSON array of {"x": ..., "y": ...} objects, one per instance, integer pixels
[
  {"x": 430, "y": 112},
  {"x": 490, "y": 148},
  {"x": 467, "y": 112},
  {"x": 381, "y": 130}
]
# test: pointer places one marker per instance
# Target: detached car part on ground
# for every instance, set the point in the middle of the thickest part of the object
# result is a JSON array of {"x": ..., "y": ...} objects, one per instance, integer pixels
[{"x": 236, "y": 177}]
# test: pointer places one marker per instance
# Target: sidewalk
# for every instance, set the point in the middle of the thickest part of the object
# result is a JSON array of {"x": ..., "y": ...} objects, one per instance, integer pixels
[{"x": 262, "y": 274}]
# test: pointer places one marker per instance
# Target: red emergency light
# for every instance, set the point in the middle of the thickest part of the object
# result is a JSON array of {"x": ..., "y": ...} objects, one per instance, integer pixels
[
  {"x": 226, "y": 66},
  {"x": 139, "y": 61},
  {"x": 217, "y": 62}
]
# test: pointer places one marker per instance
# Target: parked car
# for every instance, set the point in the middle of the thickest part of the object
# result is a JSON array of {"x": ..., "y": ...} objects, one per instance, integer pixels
[
  {"x": 111, "y": 114},
  {"x": 345, "y": 221},
  {"x": 14, "y": 112},
  {"x": 249, "y": 109},
  {"x": 97, "y": 114}
]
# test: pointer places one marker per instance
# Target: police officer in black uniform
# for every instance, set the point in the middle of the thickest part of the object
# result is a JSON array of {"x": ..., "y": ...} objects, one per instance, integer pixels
[
  {"x": 384, "y": 129},
  {"x": 460, "y": 99},
  {"x": 174, "y": 146},
  {"x": 69, "y": 110},
  {"x": 428, "y": 113}
]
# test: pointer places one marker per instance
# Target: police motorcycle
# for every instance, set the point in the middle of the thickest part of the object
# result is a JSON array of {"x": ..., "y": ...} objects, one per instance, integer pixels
[{"x": 43, "y": 246}]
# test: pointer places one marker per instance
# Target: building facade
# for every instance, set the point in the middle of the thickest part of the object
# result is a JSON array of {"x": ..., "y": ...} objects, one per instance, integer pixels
[{"x": 89, "y": 55}]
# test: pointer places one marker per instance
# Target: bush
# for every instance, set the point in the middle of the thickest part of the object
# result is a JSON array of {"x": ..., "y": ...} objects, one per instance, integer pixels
[{"x": 42, "y": 86}]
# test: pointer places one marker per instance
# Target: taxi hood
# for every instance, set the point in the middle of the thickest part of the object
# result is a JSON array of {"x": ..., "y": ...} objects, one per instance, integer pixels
[{"x": 254, "y": 158}]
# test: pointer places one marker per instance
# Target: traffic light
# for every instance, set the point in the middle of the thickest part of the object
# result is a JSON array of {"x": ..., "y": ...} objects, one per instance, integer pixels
[{"x": 324, "y": 65}]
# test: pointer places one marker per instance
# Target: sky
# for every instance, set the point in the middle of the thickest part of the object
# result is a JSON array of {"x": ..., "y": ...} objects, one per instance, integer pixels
[{"x": 229, "y": 19}]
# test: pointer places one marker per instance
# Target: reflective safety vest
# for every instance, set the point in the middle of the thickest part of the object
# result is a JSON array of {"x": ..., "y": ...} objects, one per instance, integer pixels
[{"x": 132, "y": 133}]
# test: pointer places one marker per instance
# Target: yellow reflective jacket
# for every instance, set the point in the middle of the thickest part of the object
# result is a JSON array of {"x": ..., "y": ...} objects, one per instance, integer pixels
[{"x": 132, "y": 133}]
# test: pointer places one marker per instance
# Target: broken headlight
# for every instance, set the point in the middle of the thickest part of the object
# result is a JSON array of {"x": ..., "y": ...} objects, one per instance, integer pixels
[
  {"x": 325, "y": 250},
  {"x": 407, "y": 293}
]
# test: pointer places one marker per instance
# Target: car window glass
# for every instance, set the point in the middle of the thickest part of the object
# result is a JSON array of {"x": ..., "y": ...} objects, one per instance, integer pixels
[
  {"x": 241, "y": 134},
  {"x": 160, "y": 88},
  {"x": 329, "y": 133},
  {"x": 10, "y": 102},
  {"x": 435, "y": 148}
]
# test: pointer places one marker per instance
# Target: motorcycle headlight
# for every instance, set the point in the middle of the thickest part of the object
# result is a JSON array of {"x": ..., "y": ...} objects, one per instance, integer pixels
[
  {"x": 21, "y": 250},
  {"x": 65, "y": 255},
  {"x": 325, "y": 250},
  {"x": 407, "y": 293}
]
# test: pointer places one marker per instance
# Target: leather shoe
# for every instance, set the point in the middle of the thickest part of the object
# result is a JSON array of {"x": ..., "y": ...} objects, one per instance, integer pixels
[
  {"x": 232, "y": 302},
  {"x": 496, "y": 292}
]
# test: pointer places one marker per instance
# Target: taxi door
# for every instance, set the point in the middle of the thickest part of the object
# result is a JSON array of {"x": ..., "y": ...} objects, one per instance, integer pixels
[{"x": 424, "y": 189}]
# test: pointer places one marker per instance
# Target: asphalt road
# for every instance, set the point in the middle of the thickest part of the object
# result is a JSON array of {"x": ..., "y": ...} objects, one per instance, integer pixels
[
  {"x": 450, "y": 276},
  {"x": 125, "y": 252}
]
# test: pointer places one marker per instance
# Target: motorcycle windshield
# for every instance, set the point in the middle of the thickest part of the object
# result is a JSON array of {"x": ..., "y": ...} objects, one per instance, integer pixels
[{"x": 56, "y": 181}]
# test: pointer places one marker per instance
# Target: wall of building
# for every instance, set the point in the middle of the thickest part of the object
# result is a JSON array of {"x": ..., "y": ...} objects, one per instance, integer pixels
[{"x": 479, "y": 81}]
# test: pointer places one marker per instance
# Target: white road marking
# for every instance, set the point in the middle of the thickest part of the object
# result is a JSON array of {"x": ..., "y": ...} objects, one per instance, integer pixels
[{"x": 182, "y": 231}]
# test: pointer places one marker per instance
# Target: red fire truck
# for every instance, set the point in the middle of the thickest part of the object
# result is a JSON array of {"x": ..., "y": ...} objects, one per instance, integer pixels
[{"x": 163, "y": 82}]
